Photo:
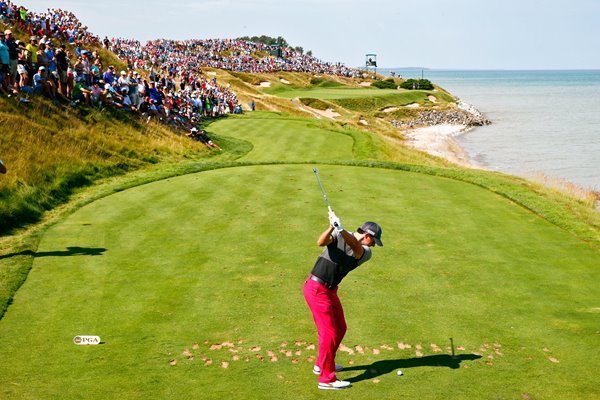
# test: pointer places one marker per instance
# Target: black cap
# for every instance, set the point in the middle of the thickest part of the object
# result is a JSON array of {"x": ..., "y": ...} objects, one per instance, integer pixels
[{"x": 373, "y": 229}]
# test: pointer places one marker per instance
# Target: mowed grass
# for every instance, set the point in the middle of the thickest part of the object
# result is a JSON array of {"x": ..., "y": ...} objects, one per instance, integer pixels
[
  {"x": 364, "y": 100},
  {"x": 194, "y": 285},
  {"x": 328, "y": 93},
  {"x": 285, "y": 138}
]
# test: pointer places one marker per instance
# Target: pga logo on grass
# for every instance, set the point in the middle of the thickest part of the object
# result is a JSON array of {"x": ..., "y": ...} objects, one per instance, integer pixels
[{"x": 86, "y": 339}]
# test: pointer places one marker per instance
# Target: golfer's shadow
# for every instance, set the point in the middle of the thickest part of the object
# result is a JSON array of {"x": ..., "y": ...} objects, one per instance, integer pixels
[
  {"x": 71, "y": 251},
  {"x": 383, "y": 367}
]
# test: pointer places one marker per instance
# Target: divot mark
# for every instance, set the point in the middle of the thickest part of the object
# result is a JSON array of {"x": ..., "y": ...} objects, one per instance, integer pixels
[
  {"x": 224, "y": 364},
  {"x": 346, "y": 349},
  {"x": 418, "y": 351},
  {"x": 554, "y": 360}
]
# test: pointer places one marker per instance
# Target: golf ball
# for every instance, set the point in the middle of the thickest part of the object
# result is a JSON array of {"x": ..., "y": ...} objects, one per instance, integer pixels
[{"x": 399, "y": 372}]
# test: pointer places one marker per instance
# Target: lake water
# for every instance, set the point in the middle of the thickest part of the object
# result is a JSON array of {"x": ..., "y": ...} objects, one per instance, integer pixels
[{"x": 544, "y": 122}]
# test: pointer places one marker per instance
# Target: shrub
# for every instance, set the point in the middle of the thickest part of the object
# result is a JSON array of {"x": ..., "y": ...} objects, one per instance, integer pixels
[
  {"x": 421, "y": 84},
  {"x": 387, "y": 84}
]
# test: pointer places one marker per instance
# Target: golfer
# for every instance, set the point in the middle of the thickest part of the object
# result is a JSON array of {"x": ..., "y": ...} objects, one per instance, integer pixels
[{"x": 344, "y": 251}]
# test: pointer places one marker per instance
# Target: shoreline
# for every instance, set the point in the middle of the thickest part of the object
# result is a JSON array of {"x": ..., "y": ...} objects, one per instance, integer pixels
[
  {"x": 433, "y": 132},
  {"x": 438, "y": 140}
]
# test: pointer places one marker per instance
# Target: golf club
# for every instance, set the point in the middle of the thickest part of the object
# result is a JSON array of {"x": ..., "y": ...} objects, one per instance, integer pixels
[{"x": 321, "y": 186}]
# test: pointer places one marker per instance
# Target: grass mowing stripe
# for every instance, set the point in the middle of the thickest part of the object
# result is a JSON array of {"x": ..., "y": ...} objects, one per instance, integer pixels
[
  {"x": 440, "y": 274},
  {"x": 296, "y": 139}
]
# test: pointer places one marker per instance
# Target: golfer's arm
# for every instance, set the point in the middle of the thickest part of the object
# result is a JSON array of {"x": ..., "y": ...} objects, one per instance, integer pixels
[
  {"x": 354, "y": 244},
  {"x": 325, "y": 237}
]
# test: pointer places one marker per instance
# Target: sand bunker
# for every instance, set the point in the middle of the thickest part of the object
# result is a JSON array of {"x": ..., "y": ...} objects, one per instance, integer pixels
[
  {"x": 432, "y": 98},
  {"x": 330, "y": 113},
  {"x": 265, "y": 84},
  {"x": 284, "y": 81},
  {"x": 412, "y": 105},
  {"x": 392, "y": 109},
  {"x": 365, "y": 84}
]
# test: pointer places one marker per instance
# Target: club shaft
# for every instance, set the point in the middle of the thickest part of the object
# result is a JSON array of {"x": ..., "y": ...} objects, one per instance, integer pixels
[{"x": 321, "y": 186}]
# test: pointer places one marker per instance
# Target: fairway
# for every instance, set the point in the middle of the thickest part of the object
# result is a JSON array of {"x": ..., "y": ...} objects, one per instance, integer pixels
[
  {"x": 286, "y": 138},
  {"x": 329, "y": 93},
  {"x": 194, "y": 285}
]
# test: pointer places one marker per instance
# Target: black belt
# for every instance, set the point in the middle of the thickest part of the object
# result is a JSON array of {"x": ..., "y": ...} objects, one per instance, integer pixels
[{"x": 322, "y": 282}]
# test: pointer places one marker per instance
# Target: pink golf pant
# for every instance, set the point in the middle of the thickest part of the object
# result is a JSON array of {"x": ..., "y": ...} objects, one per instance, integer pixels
[{"x": 331, "y": 325}]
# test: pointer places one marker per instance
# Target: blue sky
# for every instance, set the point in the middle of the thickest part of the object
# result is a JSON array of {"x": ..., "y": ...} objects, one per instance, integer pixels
[{"x": 442, "y": 34}]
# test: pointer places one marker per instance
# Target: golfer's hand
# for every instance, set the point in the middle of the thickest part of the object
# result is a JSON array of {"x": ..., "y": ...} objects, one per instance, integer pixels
[{"x": 335, "y": 221}]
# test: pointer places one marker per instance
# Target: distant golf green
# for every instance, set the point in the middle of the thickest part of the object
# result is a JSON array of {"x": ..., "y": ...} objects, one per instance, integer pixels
[
  {"x": 194, "y": 286},
  {"x": 341, "y": 92},
  {"x": 365, "y": 99}
]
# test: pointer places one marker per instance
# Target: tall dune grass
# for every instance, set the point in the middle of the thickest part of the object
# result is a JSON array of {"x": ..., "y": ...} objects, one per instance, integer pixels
[{"x": 51, "y": 151}]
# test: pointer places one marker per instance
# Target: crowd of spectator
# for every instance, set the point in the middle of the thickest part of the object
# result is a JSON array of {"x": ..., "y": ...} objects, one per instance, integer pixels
[
  {"x": 163, "y": 78},
  {"x": 183, "y": 56},
  {"x": 68, "y": 73}
]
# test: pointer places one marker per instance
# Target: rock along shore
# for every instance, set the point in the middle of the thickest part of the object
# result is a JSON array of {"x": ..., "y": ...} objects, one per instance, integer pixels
[
  {"x": 433, "y": 131},
  {"x": 465, "y": 114}
]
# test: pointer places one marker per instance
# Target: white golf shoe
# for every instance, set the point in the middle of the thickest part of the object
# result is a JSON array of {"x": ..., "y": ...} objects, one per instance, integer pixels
[
  {"x": 336, "y": 385},
  {"x": 317, "y": 370}
]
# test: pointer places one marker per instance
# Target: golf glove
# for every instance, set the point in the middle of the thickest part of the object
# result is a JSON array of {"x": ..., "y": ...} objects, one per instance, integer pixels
[{"x": 335, "y": 221}]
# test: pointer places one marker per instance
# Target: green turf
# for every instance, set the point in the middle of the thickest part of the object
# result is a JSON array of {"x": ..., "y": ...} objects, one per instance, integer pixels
[
  {"x": 204, "y": 271},
  {"x": 328, "y": 93},
  {"x": 288, "y": 138},
  {"x": 207, "y": 269}
]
